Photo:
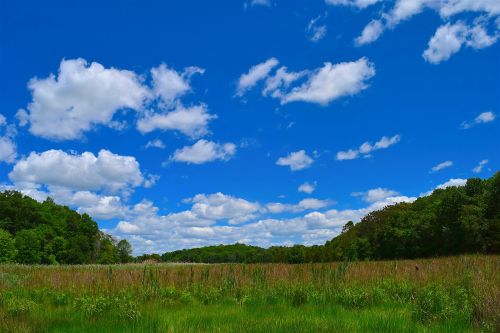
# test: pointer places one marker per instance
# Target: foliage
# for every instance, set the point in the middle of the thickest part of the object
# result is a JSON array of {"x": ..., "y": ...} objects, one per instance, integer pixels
[
  {"x": 454, "y": 294},
  {"x": 450, "y": 221},
  {"x": 8, "y": 251},
  {"x": 33, "y": 232}
]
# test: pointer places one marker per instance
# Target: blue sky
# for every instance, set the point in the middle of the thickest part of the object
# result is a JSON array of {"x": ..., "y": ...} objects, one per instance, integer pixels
[{"x": 187, "y": 123}]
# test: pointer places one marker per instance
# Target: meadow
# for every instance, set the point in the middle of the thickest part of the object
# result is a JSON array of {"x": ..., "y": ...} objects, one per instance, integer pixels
[{"x": 454, "y": 294}]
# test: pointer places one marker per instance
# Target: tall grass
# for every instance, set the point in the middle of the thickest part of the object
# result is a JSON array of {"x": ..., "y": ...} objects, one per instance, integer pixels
[{"x": 457, "y": 294}]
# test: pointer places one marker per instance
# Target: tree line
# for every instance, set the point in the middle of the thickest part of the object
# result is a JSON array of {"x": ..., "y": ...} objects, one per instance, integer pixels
[
  {"x": 33, "y": 232},
  {"x": 451, "y": 221}
]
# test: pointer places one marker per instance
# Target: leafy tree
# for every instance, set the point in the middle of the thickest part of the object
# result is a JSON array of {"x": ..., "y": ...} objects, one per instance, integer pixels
[
  {"x": 8, "y": 251},
  {"x": 124, "y": 250},
  {"x": 28, "y": 247}
]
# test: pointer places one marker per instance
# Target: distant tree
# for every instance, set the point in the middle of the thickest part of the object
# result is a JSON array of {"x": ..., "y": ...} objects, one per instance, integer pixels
[
  {"x": 348, "y": 226},
  {"x": 8, "y": 251},
  {"x": 124, "y": 251},
  {"x": 28, "y": 247}
]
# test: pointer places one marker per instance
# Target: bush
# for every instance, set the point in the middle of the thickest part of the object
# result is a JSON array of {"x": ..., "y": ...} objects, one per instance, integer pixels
[
  {"x": 19, "y": 306},
  {"x": 433, "y": 303},
  {"x": 93, "y": 306},
  {"x": 299, "y": 297}
]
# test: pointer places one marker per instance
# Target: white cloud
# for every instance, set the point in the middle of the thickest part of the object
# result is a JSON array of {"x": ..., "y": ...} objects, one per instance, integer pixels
[
  {"x": 484, "y": 117},
  {"x": 191, "y": 121},
  {"x": 296, "y": 161},
  {"x": 106, "y": 171},
  {"x": 355, "y": 3},
  {"x": 204, "y": 151},
  {"x": 169, "y": 85},
  {"x": 157, "y": 143},
  {"x": 279, "y": 81},
  {"x": 305, "y": 204},
  {"x": 441, "y": 166},
  {"x": 254, "y": 75},
  {"x": 376, "y": 194},
  {"x": 314, "y": 31},
  {"x": 452, "y": 182},
  {"x": 332, "y": 81},
  {"x": 220, "y": 206},
  {"x": 367, "y": 147},
  {"x": 448, "y": 38},
  {"x": 370, "y": 33},
  {"x": 81, "y": 96},
  {"x": 323, "y": 85},
  {"x": 8, "y": 148},
  {"x": 350, "y": 154},
  {"x": 307, "y": 187},
  {"x": 22, "y": 117},
  {"x": 480, "y": 166}
]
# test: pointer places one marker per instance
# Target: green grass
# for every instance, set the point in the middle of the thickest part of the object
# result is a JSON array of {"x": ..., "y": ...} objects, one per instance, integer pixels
[
  {"x": 247, "y": 318},
  {"x": 446, "y": 295}
]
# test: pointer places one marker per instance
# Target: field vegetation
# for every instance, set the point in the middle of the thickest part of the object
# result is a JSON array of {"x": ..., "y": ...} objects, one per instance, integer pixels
[{"x": 456, "y": 294}]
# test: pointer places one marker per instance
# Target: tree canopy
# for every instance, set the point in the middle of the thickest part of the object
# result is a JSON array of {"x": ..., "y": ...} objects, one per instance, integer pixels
[
  {"x": 33, "y": 232},
  {"x": 451, "y": 221}
]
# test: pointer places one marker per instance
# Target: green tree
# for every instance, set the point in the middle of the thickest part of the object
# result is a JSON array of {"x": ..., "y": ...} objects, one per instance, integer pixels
[
  {"x": 124, "y": 250},
  {"x": 28, "y": 247},
  {"x": 8, "y": 249}
]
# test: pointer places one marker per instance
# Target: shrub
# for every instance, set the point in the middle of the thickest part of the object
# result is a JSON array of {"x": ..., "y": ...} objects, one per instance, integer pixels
[
  {"x": 19, "y": 306},
  {"x": 93, "y": 306},
  {"x": 432, "y": 303}
]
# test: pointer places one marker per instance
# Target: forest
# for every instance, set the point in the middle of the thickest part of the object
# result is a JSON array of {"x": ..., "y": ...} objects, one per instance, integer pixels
[
  {"x": 47, "y": 233},
  {"x": 451, "y": 221}
]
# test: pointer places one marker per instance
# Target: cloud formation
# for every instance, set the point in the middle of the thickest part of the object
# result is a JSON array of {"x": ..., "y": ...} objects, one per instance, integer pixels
[
  {"x": 367, "y": 148},
  {"x": 322, "y": 85},
  {"x": 204, "y": 151},
  {"x": 441, "y": 166},
  {"x": 296, "y": 161},
  {"x": 485, "y": 117}
]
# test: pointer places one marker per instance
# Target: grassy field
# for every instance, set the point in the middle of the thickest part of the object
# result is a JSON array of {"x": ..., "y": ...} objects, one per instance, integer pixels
[{"x": 458, "y": 294}]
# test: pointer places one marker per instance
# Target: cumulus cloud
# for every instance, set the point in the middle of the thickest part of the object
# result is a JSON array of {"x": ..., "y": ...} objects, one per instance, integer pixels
[
  {"x": 8, "y": 147},
  {"x": 376, "y": 194},
  {"x": 254, "y": 75},
  {"x": 322, "y": 85},
  {"x": 367, "y": 147},
  {"x": 224, "y": 219},
  {"x": 333, "y": 81},
  {"x": 204, "y": 151},
  {"x": 441, "y": 166},
  {"x": 191, "y": 121},
  {"x": 296, "y": 161},
  {"x": 80, "y": 96},
  {"x": 480, "y": 166},
  {"x": 307, "y": 188},
  {"x": 370, "y": 33},
  {"x": 169, "y": 85},
  {"x": 220, "y": 206},
  {"x": 106, "y": 171},
  {"x": 482, "y": 118},
  {"x": 305, "y": 204},
  {"x": 449, "y": 38},
  {"x": 452, "y": 182}
]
